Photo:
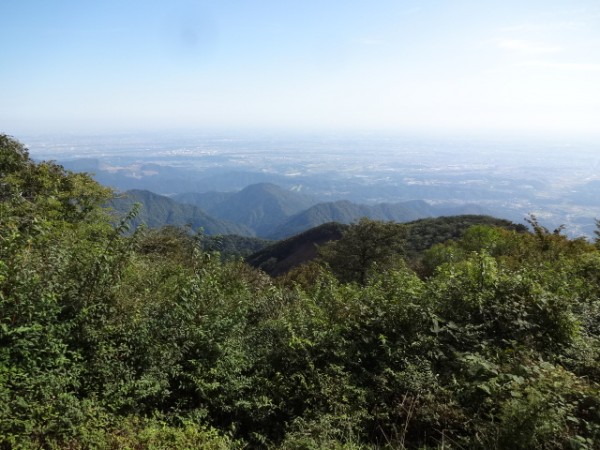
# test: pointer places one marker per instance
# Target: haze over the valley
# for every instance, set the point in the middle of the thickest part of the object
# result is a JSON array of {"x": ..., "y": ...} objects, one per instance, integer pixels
[
  {"x": 493, "y": 104},
  {"x": 555, "y": 180}
]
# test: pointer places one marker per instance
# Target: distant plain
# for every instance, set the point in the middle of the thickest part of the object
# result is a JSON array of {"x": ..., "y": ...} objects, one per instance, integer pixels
[{"x": 558, "y": 181}]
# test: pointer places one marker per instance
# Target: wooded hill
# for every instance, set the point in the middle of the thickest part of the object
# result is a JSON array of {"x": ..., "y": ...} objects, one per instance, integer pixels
[
  {"x": 156, "y": 211},
  {"x": 267, "y": 211},
  {"x": 420, "y": 235},
  {"x": 114, "y": 340}
]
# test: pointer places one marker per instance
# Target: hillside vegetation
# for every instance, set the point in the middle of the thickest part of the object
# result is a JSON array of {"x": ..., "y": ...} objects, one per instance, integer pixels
[
  {"x": 145, "y": 341},
  {"x": 268, "y": 211},
  {"x": 282, "y": 256},
  {"x": 347, "y": 212},
  {"x": 261, "y": 207},
  {"x": 156, "y": 211}
]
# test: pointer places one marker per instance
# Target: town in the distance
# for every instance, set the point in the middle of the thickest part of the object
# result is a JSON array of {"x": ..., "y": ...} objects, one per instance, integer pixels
[{"x": 276, "y": 185}]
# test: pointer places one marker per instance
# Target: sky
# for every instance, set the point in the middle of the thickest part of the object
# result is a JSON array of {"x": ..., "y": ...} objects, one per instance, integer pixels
[{"x": 406, "y": 66}]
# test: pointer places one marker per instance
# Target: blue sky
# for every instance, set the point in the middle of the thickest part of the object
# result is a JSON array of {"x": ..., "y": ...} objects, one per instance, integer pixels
[{"x": 425, "y": 66}]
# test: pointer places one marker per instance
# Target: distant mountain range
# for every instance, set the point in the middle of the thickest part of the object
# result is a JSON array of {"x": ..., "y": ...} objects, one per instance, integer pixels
[
  {"x": 261, "y": 207},
  {"x": 158, "y": 210},
  {"x": 269, "y": 211},
  {"x": 347, "y": 212},
  {"x": 508, "y": 179}
]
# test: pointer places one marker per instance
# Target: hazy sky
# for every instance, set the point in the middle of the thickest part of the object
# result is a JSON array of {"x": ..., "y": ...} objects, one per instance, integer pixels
[{"x": 384, "y": 65}]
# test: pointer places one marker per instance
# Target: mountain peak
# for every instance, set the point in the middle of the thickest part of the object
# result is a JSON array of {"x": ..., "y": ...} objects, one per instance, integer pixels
[{"x": 261, "y": 206}]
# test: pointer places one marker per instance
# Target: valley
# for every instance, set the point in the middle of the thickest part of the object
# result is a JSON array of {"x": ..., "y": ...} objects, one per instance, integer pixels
[{"x": 556, "y": 181}]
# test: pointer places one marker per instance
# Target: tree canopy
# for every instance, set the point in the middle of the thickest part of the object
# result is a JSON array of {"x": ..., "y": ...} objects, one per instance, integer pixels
[
  {"x": 116, "y": 340},
  {"x": 363, "y": 245}
]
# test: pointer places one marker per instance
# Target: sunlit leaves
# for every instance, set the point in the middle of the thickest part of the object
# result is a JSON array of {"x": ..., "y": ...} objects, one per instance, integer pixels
[{"x": 110, "y": 340}]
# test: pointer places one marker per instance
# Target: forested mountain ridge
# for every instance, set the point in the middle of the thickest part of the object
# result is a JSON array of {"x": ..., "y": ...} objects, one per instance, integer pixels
[
  {"x": 112, "y": 340},
  {"x": 261, "y": 207},
  {"x": 269, "y": 211},
  {"x": 508, "y": 178},
  {"x": 347, "y": 212},
  {"x": 280, "y": 257},
  {"x": 157, "y": 211},
  {"x": 203, "y": 200}
]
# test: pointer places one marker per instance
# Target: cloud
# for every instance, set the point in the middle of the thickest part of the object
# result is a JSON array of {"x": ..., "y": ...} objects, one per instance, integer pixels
[{"x": 527, "y": 47}]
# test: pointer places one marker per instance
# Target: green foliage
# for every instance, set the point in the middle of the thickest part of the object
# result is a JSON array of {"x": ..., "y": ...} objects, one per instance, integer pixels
[
  {"x": 425, "y": 233},
  {"x": 232, "y": 246},
  {"x": 114, "y": 340},
  {"x": 364, "y": 245},
  {"x": 171, "y": 243},
  {"x": 282, "y": 256}
]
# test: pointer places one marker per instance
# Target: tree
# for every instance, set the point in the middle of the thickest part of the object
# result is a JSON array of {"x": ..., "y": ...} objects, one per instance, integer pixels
[
  {"x": 13, "y": 155},
  {"x": 362, "y": 246},
  {"x": 45, "y": 191}
]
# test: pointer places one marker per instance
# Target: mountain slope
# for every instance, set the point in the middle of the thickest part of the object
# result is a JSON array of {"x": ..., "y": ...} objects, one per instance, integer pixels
[
  {"x": 157, "y": 211},
  {"x": 203, "y": 200},
  {"x": 421, "y": 235},
  {"x": 282, "y": 256},
  {"x": 347, "y": 212},
  {"x": 260, "y": 207}
]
